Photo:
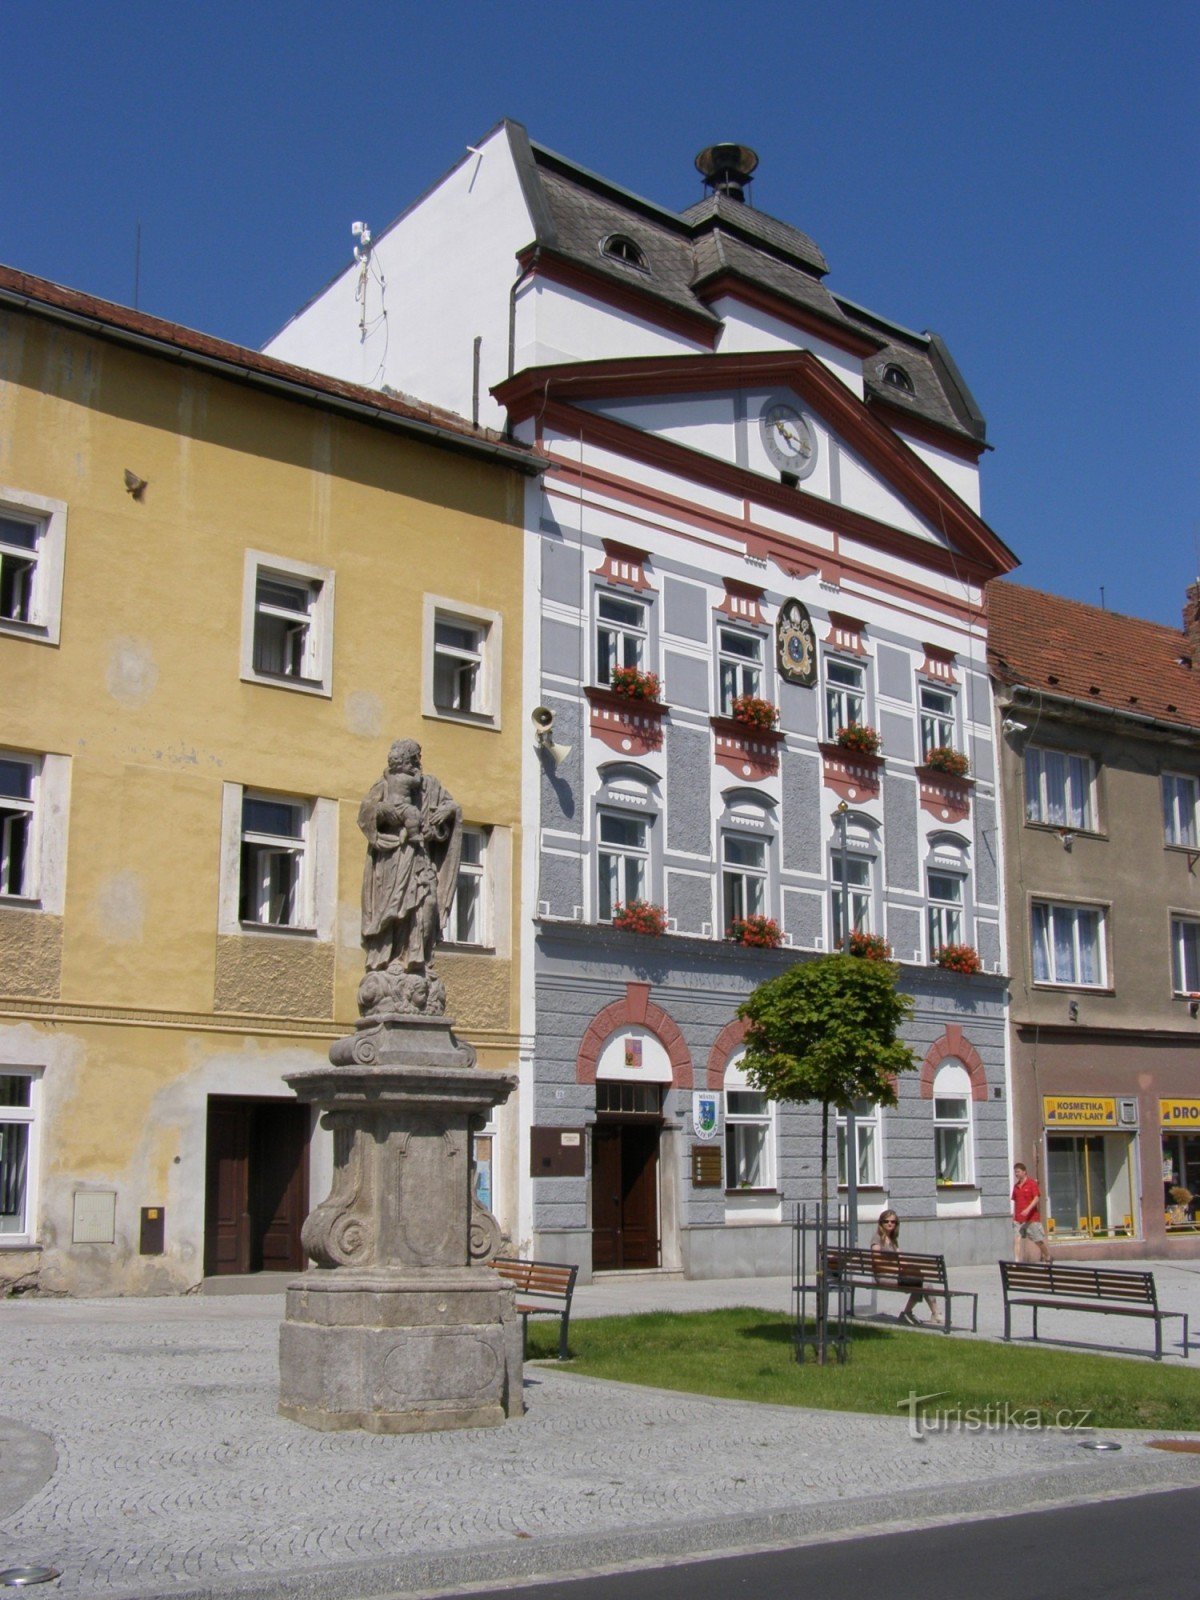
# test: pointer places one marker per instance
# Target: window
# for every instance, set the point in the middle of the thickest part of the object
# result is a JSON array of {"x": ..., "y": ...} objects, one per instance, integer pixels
[
  {"x": 952, "y": 1124},
  {"x": 1068, "y": 944},
  {"x": 624, "y": 862},
  {"x": 1179, "y": 810},
  {"x": 866, "y": 1131},
  {"x": 739, "y": 661},
  {"x": 937, "y": 718},
  {"x": 273, "y": 878},
  {"x": 287, "y": 624},
  {"x": 18, "y": 1091},
  {"x": 1058, "y": 789},
  {"x": 462, "y": 663},
  {"x": 743, "y": 877},
  {"x": 18, "y": 779},
  {"x": 620, "y": 247},
  {"x": 896, "y": 378},
  {"x": 945, "y": 909},
  {"x": 852, "y": 896},
  {"x": 1185, "y": 955},
  {"x": 620, "y": 635},
  {"x": 468, "y": 920},
  {"x": 845, "y": 694},
  {"x": 749, "y": 1134},
  {"x": 32, "y": 543}
]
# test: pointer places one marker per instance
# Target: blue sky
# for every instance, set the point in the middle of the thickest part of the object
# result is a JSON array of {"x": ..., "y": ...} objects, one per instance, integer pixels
[{"x": 1019, "y": 177}]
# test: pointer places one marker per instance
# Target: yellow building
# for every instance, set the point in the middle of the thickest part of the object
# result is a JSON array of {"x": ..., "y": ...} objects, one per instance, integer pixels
[{"x": 225, "y": 585}]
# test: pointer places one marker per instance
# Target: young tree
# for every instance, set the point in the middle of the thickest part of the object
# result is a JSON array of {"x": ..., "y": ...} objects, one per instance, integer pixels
[{"x": 825, "y": 1030}]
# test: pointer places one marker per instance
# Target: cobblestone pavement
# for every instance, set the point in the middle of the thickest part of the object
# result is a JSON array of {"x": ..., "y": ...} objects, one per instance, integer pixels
[{"x": 176, "y": 1479}]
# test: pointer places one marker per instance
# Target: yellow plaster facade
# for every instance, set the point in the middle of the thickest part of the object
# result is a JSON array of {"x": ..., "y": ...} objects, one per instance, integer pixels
[{"x": 130, "y": 994}]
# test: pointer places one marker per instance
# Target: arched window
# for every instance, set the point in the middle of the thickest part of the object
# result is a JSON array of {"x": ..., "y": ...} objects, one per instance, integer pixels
[
  {"x": 953, "y": 1154},
  {"x": 747, "y": 833},
  {"x": 749, "y": 1132},
  {"x": 947, "y": 882},
  {"x": 896, "y": 378},
  {"x": 620, "y": 247},
  {"x": 626, "y": 812}
]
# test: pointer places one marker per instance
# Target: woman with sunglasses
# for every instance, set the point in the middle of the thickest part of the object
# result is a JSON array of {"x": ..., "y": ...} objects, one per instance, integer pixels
[{"x": 886, "y": 1244}]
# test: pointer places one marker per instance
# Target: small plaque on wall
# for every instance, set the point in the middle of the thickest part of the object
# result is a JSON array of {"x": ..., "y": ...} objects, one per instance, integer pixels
[
  {"x": 556, "y": 1152},
  {"x": 706, "y": 1166}
]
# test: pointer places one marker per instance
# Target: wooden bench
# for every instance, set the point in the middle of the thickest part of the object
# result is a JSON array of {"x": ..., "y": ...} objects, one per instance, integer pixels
[
  {"x": 1045, "y": 1285},
  {"x": 860, "y": 1269},
  {"x": 544, "y": 1289}
]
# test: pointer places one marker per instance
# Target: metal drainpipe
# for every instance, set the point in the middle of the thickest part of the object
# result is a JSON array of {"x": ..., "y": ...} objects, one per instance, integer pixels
[{"x": 851, "y": 1119}]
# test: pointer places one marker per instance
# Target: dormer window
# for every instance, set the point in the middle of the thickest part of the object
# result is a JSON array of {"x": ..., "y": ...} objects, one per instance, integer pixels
[
  {"x": 896, "y": 378},
  {"x": 620, "y": 247}
]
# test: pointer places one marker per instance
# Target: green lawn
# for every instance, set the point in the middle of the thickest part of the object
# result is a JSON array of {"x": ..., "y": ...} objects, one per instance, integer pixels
[{"x": 746, "y": 1354}]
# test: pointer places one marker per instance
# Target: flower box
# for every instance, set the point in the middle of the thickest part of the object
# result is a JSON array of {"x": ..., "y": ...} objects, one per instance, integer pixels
[
  {"x": 752, "y": 712},
  {"x": 870, "y": 946},
  {"x": 625, "y": 723},
  {"x": 634, "y": 684},
  {"x": 640, "y": 916},
  {"x": 857, "y": 736},
  {"x": 944, "y": 794},
  {"x": 746, "y": 751},
  {"x": 762, "y": 933},
  {"x": 943, "y": 759},
  {"x": 958, "y": 958},
  {"x": 853, "y": 774}
]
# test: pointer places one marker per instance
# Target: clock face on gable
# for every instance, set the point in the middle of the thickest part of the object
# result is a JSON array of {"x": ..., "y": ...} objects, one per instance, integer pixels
[{"x": 788, "y": 438}]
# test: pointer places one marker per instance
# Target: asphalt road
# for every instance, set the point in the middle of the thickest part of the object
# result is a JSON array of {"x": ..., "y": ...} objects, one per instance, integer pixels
[{"x": 1144, "y": 1548}]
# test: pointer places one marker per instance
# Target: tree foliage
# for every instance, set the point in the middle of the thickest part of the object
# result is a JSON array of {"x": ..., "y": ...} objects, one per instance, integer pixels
[{"x": 825, "y": 1030}]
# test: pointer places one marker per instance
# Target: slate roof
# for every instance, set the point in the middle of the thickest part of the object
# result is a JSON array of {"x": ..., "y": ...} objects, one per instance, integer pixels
[
  {"x": 575, "y": 210},
  {"x": 1117, "y": 663}
]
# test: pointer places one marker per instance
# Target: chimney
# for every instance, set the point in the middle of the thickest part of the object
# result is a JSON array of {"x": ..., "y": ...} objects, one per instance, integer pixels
[
  {"x": 1191, "y": 616},
  {"x": 727, "y": 169}
]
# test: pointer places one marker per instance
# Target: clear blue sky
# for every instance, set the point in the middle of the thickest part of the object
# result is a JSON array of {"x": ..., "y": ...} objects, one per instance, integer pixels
[{"x": 1020, "y": 177}]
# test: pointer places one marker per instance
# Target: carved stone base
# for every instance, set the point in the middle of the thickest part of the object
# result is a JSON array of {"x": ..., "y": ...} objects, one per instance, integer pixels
[{"x": 436, "y": 1349}]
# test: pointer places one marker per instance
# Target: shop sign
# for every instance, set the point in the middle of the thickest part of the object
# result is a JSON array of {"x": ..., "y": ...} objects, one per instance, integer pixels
[
  {"x": 1180, "y": 1113},
  {"x": 1079, "y": 1111},
  {"x": 704, "y": 1114}
]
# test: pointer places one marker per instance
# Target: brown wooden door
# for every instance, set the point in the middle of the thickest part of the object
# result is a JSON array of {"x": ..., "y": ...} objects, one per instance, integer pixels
[
  {"x": 227, "y": 1203},
  {"x": 624, "y": 1196},
  {"x": 257, "y": 1185}
]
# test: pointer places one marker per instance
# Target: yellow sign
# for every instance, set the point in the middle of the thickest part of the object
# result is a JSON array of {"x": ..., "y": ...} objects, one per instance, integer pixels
[
  {"x": 1079, "y": 1111},
  {"x": 1180, "y": 1113}
]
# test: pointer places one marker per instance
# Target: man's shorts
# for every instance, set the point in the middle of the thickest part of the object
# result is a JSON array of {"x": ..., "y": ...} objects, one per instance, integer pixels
[{"x": 1032, "y": 1230}]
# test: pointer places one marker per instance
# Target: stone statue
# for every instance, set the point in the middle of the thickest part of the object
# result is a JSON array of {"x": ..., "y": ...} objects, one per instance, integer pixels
[{"x": 413, "y": 829}]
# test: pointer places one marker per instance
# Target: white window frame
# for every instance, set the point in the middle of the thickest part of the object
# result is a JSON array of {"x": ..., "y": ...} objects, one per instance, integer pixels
[
  {"x": 1185, "y": 954},
  {"x": 1078, "y": 798},
  {"x": 49, "y": 517},
  {"x": 316, "y": 908},
  {"x": 317, "y": 673},
  {"x": 868, "y": 1129},
  {"x": 473, "y": 891},
  {"x": 27, "y": 1117},
  {"x": 842, "y": 698},
  {"x": 625, "y": 642},
  {"x": 1073, "y": 915},
  {"x": 1181, "y": 805},
  {"x": 740, "y": 1124},
  {"x": 739, "y": 672},
  {"x": 860, "y": 895},
  {"x": 939, "y": 722},
  {"x": 485, "y": 713},
  {"x": 48, "y": 806},
  {"x": 19, "y": 834},
  {"x": 616, "y": 860},
  {"x": 952, "y": 1114},
  {"x": 946, "y": 918},
  {"x": 744, "y": 881}
]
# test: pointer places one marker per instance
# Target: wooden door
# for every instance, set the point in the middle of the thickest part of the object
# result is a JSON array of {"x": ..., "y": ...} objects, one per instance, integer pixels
[
  {"x": 278, "y": 1186},
  {"x": 227, "y": 1200},
  {"x": 606, "y": 1198},
  {"x": 639, "y": 1196}
]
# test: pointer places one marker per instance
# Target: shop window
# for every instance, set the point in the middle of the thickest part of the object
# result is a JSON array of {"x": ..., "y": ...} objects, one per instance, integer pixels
[
  {"x": 1059, "y": 789},
  {"x": 1185, "y": 955},
  {"x": 867, "y": 1141},
  {"x": 1179, "y": 797},
  {"x": 938, "y": 719},
  {"x": 287, "y": 628},
  {"x": 1068, "y": 944},
  {"x": 952, "y": 1124},
  {"x": 469, "y": 921},
  {"x": 623, "y": 862},
  {"x": 621, "y": 635},
  {"x": 749, "y": 1133},
  {"x": 33, "y": 533},
  {"x": 18, "y": 1150},
  {"x": 1089, "y": 1184},
  {"x": 845, "y": 695}
]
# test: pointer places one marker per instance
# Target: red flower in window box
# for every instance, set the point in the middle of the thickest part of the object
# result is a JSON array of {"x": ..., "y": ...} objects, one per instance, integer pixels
[
  {"x": 870, "y": 946},
  {"x": 857, "y": 736},
  {"x": 958, "y": 958},
  {"x": 762, "y": 933},
  {"x": 943, "y": 759},
  {"x": 639, "y": 916},
  {"x": 635, "y": 684},
  {"x": 752, "y": 712}
]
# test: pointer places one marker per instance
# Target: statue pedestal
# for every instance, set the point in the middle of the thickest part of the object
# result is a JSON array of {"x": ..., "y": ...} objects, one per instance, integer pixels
[{"x": 401, "y": 1327}]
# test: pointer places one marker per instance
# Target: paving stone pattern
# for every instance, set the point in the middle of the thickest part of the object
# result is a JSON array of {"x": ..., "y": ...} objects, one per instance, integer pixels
[{"x": 175, "y": 1477}]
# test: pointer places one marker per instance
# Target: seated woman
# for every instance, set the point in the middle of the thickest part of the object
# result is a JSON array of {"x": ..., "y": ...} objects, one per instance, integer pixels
[{"x": 885, "y": 1247}]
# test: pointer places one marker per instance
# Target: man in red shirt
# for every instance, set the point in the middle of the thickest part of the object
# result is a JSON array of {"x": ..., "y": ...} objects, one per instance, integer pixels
[{"x": 1027, "y": 1217}]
